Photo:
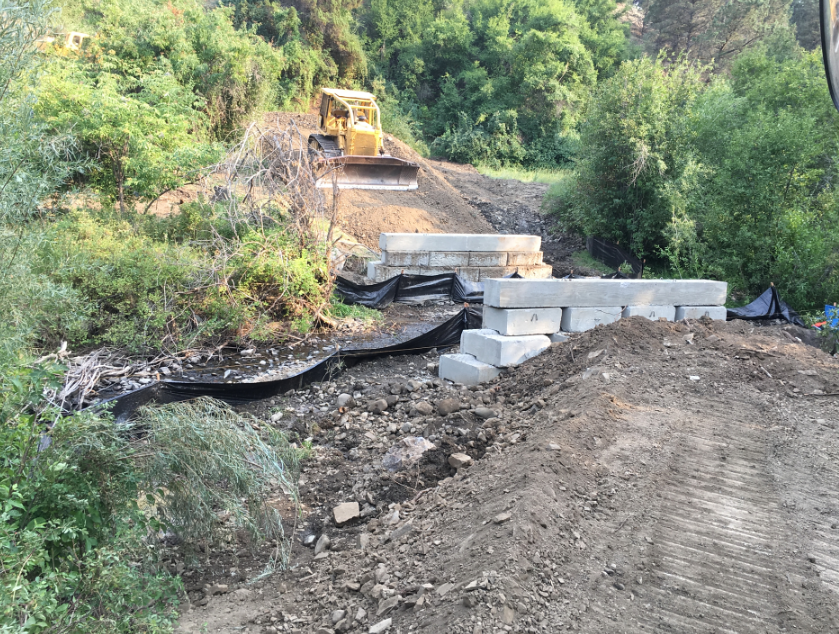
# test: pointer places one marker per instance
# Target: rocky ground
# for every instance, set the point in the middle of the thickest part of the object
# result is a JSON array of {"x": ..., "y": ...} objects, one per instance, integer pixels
[{"x": 640, "y": 477}]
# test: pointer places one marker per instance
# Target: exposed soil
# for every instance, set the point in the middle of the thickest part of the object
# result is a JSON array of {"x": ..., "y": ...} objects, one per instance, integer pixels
[
  {"x": 642, "y": 476},
  {"x": 451, "y": 198}
]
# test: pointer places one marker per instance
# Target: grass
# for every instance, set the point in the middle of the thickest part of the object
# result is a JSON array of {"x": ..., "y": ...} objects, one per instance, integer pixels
[
  {"x": 549, "y": 177},
  {"x": 340, "y": 310},
  {"x": 584, "y": 260}
]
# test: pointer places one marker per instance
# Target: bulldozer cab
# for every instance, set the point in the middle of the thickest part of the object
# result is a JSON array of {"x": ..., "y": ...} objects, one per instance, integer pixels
[
  {"x": 352, "y": 117},
  {"x": 350, "y": 145}
]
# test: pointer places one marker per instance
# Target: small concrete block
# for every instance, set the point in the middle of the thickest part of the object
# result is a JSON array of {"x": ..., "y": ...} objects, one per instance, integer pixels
[
  {"x": 449, "y": 259},
  {"x": 558, "y": 337},
  {"x": 580, "y": 319},
  {"x": 458, "y": 242},
  {"x": 372, "y": 269},
  {"x": 653, "y": 313},
  {"x": 405, "y": 258},
  {"x": 697, "y": 312},
  {"x": 488, "y": 258},
  {"x": 490, "y": 347},
  {"x": 523, "y": 321},
  {"x": 466, "y": 369},
  {"x": 524, "y": 259}
]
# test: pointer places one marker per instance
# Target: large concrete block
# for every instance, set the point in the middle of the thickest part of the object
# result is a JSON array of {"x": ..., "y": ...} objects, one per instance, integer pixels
[
  {"x": 378, "y": 272},
  {"x": 405, "y": 258},
  {"x": 538, "y": 271},
  {"x": 458, "y": 242},
  {"x": 488, "y": 258},
  {"x": 653, "y": 313},
  {"x": 524, "y": 259},
  {"x": 448, "y": 259},
  {"x": 522, "y": 321},
  {"x": 490, "y": 347},
  {"x": 697, "y": 312},
  {"x": 599, "y": 292},
  {"x": 535, "y": 272},
  {"x": 466, "y": 369},
  {"x": 582, "y": 318}
]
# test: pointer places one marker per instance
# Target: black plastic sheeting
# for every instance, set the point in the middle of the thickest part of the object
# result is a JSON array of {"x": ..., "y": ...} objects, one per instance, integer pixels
[
  {"x": 441, "y": 337},
  {"x": 613, "y": 255},
  {"x": 412, "y": 289},
  {"x": 768, "y": 306}
]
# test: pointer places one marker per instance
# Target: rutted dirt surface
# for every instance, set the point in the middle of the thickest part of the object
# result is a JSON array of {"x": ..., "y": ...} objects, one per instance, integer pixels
[{"x": 641, "y": 477}]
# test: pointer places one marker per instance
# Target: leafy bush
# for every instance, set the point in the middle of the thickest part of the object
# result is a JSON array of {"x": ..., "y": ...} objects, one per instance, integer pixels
[
  {"x": 69, "y": 524},
  {"x": 734, "y": 179},
  {"x": 633, "y": 151}
]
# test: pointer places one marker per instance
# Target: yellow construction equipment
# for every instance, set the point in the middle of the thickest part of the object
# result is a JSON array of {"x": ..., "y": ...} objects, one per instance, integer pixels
[
  {"x": 350, "y": 152},
  {"x": 72, "y": 41}
]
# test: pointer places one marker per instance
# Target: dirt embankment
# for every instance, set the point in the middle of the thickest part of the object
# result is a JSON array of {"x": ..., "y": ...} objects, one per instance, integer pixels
[
  {"x": 451, "y": 198},
  {"x": 641, "y": 477}
]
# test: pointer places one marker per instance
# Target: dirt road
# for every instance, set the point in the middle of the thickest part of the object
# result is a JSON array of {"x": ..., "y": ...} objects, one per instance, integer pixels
[{"x": 643, "y": 477}]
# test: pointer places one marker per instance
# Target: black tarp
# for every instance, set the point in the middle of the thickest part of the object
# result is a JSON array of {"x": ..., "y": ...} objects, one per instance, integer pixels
[
  {"x": 441, "y": 337},
  {"x": 768, "y": 306},
  {"x": 412, "y": 289},
  {"x": 613, "y": 255}
]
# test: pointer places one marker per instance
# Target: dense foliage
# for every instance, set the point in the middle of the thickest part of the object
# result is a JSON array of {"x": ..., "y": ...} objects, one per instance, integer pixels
[
  {"x": 733, "y": 179},
  {"x": 495, "y": 81}
]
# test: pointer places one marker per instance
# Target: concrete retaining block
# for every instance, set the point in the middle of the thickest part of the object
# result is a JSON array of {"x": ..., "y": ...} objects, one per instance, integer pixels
[
  {"x": 405, "y": 258},
  {"x": 522, "y": 321},
  {"x": 536, "y": 272},
  {"x": 466, "y": 369},
  {"x": 448, "y": 259},
  {"x": 379, "y": 272},
  {"x": 653, "y": 313},
  {"x": 697, "y": 312},
  {"x": 488, "y": 258},
  {"x": 458, "y": 242},
  {"x": 558, "y": 337},
  {"x": 598, "y": 292},
  {"x": 490, "y": 347},
  {"x": 524, "y": 259},
  {"x": 582, "y": 318}
]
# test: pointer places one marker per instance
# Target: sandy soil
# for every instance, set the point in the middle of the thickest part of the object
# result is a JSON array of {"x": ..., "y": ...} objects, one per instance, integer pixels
[{"x": 641, "y": 477}]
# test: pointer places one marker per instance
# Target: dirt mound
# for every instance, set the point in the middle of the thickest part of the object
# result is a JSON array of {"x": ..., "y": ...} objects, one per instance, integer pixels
[
  {"x": 435, "y": 207},
  {"x": 649, "y": 474}
]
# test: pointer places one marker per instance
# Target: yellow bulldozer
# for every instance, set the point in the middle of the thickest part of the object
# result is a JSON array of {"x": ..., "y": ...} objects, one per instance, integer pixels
[{"x": 349, "y": 151}]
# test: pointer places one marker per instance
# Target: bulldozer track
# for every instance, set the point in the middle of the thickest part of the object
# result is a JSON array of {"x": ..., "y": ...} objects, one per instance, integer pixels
[{"x": 721, "y": 552}]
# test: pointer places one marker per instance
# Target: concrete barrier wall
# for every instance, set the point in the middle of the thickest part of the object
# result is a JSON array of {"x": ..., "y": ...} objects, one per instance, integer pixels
[{"x": 501, "y": 293}]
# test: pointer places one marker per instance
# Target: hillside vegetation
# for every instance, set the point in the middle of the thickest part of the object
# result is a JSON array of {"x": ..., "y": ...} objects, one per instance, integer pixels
[{"x": 699, "y": 134}]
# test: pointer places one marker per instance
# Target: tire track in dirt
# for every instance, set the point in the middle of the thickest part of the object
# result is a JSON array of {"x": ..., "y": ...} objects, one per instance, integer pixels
[{"x": 718, "y": 549}]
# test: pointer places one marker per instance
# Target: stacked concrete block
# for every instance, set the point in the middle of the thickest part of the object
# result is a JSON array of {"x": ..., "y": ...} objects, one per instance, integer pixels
[
  {"x": 501, "y": 351},
  {"x": 466, "y": 369},
  {"x": 475, "y": 257},
  {"x": 582, "y": 318},
  {"x": 653, "y": 313},
  {"x": 484, "y": 351},
  {"x": 698, "y": 312},
  {"x": 522, "y": 321},
  {"x": 519, "y": 307}
]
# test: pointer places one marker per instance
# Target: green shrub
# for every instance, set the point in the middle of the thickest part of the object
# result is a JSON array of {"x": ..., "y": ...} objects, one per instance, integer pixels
[{"x": 633, "y": 151}]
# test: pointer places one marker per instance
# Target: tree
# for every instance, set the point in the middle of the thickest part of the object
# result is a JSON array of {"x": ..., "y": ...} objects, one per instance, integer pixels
[{"x": 712, "y": 31}]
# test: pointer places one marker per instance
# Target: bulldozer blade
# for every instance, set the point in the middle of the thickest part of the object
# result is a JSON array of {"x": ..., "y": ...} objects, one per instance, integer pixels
[{"x": 367, "y": 172}]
